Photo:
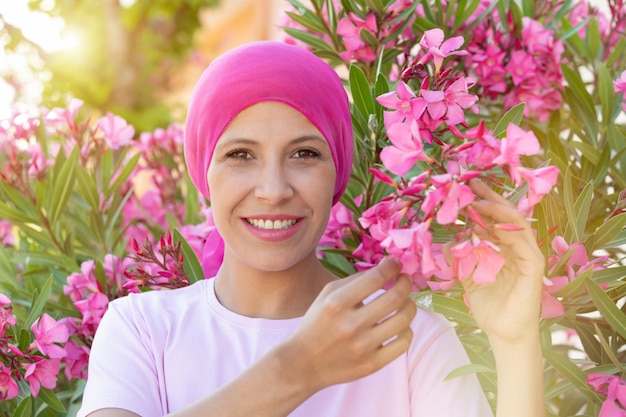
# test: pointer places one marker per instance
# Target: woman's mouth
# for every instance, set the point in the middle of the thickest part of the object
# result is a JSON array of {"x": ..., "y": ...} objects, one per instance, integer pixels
[{"x": 267, "y": 224}]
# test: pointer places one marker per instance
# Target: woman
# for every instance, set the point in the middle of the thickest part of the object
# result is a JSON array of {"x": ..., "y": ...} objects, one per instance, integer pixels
[{"x": 269, "y": 142}]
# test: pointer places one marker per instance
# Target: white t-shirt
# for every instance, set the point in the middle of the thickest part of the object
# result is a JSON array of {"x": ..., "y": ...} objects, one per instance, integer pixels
[{"x": 157, "y": 352}]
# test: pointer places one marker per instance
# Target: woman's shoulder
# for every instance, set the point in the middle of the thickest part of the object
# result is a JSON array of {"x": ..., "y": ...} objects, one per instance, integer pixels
[{"x": 160, "y": 301}]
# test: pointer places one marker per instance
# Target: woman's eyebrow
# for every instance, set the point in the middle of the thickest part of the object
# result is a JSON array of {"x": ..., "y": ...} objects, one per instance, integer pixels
[{"x": 307, "y": 138}]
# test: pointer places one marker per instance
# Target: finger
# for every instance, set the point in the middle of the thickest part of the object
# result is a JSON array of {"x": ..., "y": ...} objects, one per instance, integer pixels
[
  {"x": 394, "y": 348},
  {"x": 355, "y": 289},
  {"x": 485, "y": 192},
  {"x": 389, "y": 329},
  {"x": 390, "y": 301}
]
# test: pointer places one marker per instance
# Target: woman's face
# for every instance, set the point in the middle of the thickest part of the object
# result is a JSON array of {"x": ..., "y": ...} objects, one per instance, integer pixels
[{"x": 272, "y": 179}]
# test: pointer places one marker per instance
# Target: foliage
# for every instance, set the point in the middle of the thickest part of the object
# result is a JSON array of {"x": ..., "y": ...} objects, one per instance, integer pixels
[
  {"x": 513, "y": 93},
  {"x": 127, "y": 54},
  {"x": 551, "y": 68}
]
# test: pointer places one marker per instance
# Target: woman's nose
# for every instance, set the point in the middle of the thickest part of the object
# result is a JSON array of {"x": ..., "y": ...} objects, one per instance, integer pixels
[{"x": 273, "y": 184}]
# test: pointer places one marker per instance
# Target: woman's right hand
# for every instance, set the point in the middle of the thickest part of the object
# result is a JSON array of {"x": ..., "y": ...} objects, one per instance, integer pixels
[{"x": 341, "y": 339}]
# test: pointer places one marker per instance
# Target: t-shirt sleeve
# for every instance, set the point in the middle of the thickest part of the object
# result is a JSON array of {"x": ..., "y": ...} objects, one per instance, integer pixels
[
  {"x": 121, "y": 372},
  {"x": 437, "y": 353}
]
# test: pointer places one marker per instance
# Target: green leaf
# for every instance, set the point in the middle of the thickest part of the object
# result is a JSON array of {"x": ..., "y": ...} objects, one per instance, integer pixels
[
  {"x": 50, "y": 398},
  {"x": 607, "y": 94},
  {"x": 472, "y": 368},
  {"x": 580, "y": 101},
  {"x": 571, "y": 232},
  {"x": 308, "y": 38},
  {"x": 309, "y": 21},
  {"x": 581, "y": 208},
  {"x": 608, "y": 230},
  {"x": 191, "y": 265},
  {"x": 607, "y": 308},
  {"x": 377, "y": 5},
  {"x": 360, "y": 89},
  {"x": 593, "y": 39},
  {"x": 63, "y": 186},
  {"x": 570, "y": 371},
  {"x": 129, "y": 167},
  {"x": 452, "y": 308},
  {"x": 87, "y": 187},
  {"x": 39, "y": 301},
  {"x": 25, "y": 408},
  {"x": 617, "y": 53},
  {"x": 13, "y": 216},
  {"x": 609, "y": 274},
  {"x": 514, "y": 115}
]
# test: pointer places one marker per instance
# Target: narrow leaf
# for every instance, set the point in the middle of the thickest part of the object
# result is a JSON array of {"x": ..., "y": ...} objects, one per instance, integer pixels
[
  {"x": 453, "y": 308},
  {"x": 25, "y": 408},
  {"x": 191, "y": 264},
  {"x": 608, "y": 230},
  {"x": 39, "y": 301},
  {"x": 514, "y": 115},
  {"x": 581, "y": 208},
  {"x": 50, "y": 398},
  {"x": 360, "y": 89},
  {"x": 472, "y": 368},
  {"x": 607, "y": 308},
  {"x": 63, "y": 186}
]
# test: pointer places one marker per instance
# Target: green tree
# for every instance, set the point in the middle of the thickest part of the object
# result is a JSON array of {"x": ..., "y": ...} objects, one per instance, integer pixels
[{"x": 127, "y": 57}]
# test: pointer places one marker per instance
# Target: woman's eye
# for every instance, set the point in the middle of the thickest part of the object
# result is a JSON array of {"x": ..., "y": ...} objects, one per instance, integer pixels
[
  {"x": 239, "y": 154},
  {"x": 307, "y": 154}
]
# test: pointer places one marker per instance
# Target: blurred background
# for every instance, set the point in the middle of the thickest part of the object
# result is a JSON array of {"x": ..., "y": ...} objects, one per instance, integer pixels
[{"x": 136, "y": 58}]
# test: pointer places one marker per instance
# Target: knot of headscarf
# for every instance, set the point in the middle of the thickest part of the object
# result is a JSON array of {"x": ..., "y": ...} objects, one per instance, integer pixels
[
  {"x": 267, "y": 71},
  {"x": 253, "y": 73}
]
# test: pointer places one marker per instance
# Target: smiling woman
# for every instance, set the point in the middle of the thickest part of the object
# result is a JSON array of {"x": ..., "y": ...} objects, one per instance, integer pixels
[{"x": 268, "y": 140}]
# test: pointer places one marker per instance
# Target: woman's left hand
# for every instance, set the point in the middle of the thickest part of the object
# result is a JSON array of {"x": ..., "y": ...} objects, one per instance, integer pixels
[{"x": 507, "y": 310}]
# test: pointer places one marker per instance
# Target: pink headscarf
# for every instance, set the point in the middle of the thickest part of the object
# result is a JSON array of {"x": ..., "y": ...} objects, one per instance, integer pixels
[{"x": 267, "y": 71}]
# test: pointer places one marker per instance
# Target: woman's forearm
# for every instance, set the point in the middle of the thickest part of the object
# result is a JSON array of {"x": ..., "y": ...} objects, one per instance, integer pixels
[
  {"x": 520, "y": 377},
  {"x": 272, "y": 387}
]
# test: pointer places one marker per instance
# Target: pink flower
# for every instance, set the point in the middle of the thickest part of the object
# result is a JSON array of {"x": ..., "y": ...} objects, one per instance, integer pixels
[
  {"x": 382, "y": 217},
  {"x": 92, "y": 309},
  {"x": 540, "y": 182},
  {"x": 516, "y": 143},
  {"x": 550, "y": 306},
  {"x": 404, "y": 101},
  {"x": 42, "y": 373},
  {"x": 521, "y": 66},
  {"x": 437, "y": 49},
  {"x": 117, "y": 133},
  {"x": 349, "y": 28},
  {"x": 6, "y": 234},
  {"x": 406, "y": 149},
  {"x": 8, "y": 386},
  {"x": 452, "y": 195},
  {"x": 478, "y": 259},
  {"x": 412, "y": 245},
  {"x": 450, "y": 103},
  {"x": 370, "y": 251},
  {"x": 47, "y": 333},
  {"x": 614, "y": 388},
  {"x": 340, "y": 225},
  {"x": 114, "y": 268},
  {"x": 620, "y": 83},
  {"x": 576, "y": 252},
  {"x": 76, "y": 360},
  {"x": 82, "y": 284}
]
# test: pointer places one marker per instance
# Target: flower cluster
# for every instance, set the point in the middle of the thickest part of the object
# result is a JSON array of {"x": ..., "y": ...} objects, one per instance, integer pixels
[
  {"x": 39, "y": 362},
  {"x": 520, "y": 65}
]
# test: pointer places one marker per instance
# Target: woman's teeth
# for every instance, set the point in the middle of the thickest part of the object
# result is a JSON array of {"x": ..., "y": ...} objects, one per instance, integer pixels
[{"x": 271, "y": 224}]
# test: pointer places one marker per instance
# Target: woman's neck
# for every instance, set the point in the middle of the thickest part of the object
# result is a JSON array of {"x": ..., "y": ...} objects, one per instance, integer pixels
[{"x": 285, "y": 294}]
